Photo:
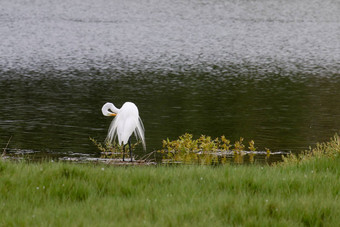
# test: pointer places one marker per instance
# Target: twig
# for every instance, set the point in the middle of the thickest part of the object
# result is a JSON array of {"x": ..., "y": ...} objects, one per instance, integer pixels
[
  {"x": 147, "y": 155},
  {"x": 4, "y": 152}
]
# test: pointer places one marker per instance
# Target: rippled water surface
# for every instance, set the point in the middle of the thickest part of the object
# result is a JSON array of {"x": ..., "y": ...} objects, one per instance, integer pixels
[{"x": 262, "y": 70}]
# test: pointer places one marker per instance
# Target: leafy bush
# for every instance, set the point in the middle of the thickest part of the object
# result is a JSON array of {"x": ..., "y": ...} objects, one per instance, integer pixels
[{"x": 205, "y": 150}]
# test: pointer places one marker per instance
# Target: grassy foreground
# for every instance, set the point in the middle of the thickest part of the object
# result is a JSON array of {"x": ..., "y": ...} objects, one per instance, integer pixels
[
  {"x": 302, "y": 191},
  {"x": 60, "y": 194}
]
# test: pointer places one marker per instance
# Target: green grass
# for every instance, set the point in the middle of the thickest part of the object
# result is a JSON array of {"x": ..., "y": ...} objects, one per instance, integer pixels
[{"x": 61, "y": 194}]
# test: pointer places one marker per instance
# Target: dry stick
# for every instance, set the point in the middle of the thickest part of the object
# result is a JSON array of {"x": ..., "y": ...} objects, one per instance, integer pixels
[
  {"x": 147, "y": 155},
  {"x": 4, "y": 152}
]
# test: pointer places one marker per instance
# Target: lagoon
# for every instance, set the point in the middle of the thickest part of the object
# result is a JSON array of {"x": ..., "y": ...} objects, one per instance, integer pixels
[{"x": 262, "y": 70}]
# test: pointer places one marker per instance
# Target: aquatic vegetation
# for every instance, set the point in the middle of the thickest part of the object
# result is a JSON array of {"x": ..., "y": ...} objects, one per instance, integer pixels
[
  {"x": 252, "y": 150},
  {"x": 206, "y": 150},
  {"x": 113, "y": 150},
  {"x": 330, "y": 149}
]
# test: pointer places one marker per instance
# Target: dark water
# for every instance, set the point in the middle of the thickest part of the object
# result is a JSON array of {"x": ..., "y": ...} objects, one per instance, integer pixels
[{"x": 262, "y": 70}]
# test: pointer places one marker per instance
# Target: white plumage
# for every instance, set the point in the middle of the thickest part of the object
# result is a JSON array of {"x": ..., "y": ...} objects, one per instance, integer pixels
[{"x": 126, "y": 122}]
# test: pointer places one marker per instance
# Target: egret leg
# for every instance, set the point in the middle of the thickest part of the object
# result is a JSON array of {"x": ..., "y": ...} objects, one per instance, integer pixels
[
  {"x": 130, "y": 150},
  {"x": 124, "y": 152}
]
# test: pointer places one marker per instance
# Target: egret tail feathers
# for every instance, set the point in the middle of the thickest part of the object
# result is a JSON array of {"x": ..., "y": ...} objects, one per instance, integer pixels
[
  {"x": 123, "y": 138},
  {"x": 139, "y": 132}
]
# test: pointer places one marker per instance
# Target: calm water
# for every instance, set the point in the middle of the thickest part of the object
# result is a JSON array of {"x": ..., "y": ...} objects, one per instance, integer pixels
[{"x": 262, "y": 70}]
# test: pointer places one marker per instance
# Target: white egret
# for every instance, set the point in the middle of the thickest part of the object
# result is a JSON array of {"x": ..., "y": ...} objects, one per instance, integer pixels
[{"x": 126, "y": 122}]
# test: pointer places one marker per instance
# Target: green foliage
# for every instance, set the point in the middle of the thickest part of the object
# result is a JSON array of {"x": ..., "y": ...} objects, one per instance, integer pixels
[
  {"x": 330, "y": 149},
  {"x": 205, "y": 150},
  {"x": 113, "y": 150}
]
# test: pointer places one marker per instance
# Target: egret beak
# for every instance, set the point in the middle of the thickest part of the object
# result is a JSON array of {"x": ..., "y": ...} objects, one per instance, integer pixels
[{"x": 113, "y": 114}]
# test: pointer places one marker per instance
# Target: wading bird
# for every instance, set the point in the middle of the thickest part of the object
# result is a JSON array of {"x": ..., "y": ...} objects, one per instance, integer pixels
[{"x": 126, "y": 122}]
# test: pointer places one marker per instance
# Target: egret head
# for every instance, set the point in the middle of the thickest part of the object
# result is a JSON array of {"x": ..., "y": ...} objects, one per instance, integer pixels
[{"x": 109, "y": 109}]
